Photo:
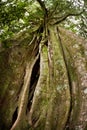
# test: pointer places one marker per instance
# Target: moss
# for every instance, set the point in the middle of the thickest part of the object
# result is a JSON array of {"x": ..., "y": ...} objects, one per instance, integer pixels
[
  {"x": 12, "y": 63},
  {"x": 51, "y": 100},
  {"x": 72, "y": 72}
]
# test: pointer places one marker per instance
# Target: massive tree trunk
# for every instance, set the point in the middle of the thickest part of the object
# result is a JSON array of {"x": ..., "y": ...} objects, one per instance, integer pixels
[{"x": 43, "y": 83}]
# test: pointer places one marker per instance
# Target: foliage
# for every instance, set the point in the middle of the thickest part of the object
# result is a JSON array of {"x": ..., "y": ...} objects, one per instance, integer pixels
[
  {"x": 19, "y": 15},
  {"x": 78, "y": 24}
]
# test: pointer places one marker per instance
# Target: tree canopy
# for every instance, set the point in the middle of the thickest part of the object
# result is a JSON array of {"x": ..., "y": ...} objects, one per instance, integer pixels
[{"x": 19, "y": 15}]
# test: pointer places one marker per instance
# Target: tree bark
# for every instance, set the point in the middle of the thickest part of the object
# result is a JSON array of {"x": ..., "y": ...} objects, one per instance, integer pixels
[{"x": 43, "y": 84}]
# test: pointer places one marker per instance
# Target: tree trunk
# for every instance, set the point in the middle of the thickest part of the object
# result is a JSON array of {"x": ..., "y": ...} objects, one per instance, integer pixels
[{"x": 43, "y": 85}]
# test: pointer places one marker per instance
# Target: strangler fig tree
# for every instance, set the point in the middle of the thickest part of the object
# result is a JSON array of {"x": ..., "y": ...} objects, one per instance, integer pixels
[{"x": 43, "y": 68}]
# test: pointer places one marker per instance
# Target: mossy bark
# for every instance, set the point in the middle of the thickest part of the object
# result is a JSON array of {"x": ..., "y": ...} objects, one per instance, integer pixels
[{"x": 43, "y": 84}]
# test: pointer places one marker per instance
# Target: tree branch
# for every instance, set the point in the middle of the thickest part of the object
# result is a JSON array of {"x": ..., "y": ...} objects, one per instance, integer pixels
[
  {"x": 42, "y": 6},
  {"x": 59, "y": 11},
  {"x": 62, "y": 18}
]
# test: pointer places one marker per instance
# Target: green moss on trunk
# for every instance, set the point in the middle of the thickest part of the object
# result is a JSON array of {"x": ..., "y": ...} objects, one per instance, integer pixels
[{"x": 56, "y": 100}]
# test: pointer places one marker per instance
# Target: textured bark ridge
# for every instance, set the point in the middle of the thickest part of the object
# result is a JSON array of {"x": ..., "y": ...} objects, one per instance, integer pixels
[{"x": 43, "y": 85}]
